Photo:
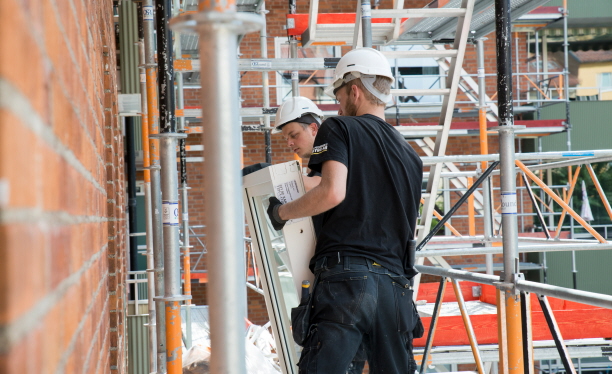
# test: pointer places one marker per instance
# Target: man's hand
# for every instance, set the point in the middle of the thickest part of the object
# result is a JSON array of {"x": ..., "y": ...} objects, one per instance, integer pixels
[{"x": 277, "y": 222}]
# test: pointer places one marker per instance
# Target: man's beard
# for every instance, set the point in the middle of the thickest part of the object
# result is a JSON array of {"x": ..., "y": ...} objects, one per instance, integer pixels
[{"x": 350, "y": 107}]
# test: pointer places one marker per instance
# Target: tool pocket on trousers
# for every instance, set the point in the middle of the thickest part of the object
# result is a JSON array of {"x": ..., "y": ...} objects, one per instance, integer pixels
[
  {"x": 404, "y": 310},
  {"x": 419, "y": 329},
  {"x": 338, "y": 298},
  {"x": 300, "y": 321}
]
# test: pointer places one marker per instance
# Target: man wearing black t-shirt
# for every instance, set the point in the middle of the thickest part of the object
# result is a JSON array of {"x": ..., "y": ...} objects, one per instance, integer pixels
[
  {"x": 369, "y": 197},
  {"x": 299, "y": 119}
]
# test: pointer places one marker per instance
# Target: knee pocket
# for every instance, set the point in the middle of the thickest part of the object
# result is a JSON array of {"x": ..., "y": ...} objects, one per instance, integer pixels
[{"x": 308, "y": 363}]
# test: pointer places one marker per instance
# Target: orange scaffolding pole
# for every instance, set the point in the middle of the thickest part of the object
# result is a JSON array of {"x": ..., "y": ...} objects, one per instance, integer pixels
[
  {"x": 471, "y": 217},
  {"x": 568, "y": 197},
  {"x": 600, "y": 191},
  {"x": 468, "y": 327},
  {"x": 153, "y": 114},
  {"x": 559, "y": 201},
  {"x": 502, "y": 333},
  {"x": 484, "y": 144},
  {"x": 446, "y": 224}
]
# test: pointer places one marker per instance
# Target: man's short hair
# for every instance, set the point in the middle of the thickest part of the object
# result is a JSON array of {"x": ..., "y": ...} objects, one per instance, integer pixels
[
  {"x": 304, "y": 121},
  {"x": 382, "y": 84}
]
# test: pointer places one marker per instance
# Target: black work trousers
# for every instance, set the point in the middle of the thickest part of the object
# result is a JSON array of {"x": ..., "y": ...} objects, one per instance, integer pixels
[{"x": 357, "y": 303}]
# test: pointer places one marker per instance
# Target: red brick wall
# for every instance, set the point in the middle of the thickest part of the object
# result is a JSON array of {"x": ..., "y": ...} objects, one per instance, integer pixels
[{"x": 62, "y": 236}]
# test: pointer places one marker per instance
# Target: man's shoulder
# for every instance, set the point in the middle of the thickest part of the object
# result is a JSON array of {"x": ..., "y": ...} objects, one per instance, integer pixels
[{"x": 352, "y": 123}]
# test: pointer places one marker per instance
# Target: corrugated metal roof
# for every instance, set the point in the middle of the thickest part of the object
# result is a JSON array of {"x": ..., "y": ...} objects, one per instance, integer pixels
[{"x": 483, "y": 20}]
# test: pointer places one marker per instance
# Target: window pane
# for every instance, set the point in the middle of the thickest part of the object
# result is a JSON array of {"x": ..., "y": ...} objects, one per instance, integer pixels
[{"x": 605, "y": 80}]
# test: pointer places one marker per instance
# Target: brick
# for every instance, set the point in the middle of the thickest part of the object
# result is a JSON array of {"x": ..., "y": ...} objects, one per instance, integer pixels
[
  {"x": 19, "y": 55},
  {"x": 19, "y": 241},
  {"x": 23, "y": 163}
]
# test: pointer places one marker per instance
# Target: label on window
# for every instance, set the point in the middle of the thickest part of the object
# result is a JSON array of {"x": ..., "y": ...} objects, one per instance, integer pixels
[
  {"x": 170, "y": 214},
  {"x": 287, "y": 192},
  {"x": 508, "y": 203}
]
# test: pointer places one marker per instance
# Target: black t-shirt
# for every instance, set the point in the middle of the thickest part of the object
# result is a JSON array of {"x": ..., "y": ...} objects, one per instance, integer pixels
[
  {"x": 378, "y": 215},
  {"x": 317, "y": 221}
]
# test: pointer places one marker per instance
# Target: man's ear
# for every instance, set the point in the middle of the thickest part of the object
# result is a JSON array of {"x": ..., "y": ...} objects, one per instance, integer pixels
[
  {"x": 314, "y": 128},
  {"x": 355, "y": 91}
]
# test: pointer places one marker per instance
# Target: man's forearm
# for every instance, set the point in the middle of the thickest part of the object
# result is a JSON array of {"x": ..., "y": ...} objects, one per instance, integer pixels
[
  {"x": 330, "y": 192},
  {"x": 314, "y": 202}
]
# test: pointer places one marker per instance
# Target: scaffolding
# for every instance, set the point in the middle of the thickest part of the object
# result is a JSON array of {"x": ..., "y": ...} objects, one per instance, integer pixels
[{"x": 460, "y": 22}]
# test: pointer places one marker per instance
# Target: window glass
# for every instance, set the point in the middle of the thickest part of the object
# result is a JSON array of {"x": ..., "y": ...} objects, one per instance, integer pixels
[{"x": 605, "y": 80}]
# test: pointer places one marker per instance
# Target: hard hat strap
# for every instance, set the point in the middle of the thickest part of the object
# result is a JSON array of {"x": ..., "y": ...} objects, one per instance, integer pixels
[{"x": 368, "y": 83}]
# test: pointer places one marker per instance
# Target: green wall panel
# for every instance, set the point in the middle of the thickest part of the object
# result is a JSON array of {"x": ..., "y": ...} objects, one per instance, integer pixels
[{"x": 591, "y": 126}]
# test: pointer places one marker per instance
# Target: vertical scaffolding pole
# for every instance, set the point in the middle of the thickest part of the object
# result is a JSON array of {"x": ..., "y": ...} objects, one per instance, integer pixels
[
  {"x": 366, "y": 23},
  {"x": 566, "y": 80},
  {"x": 218, "y": 25},
  {"x": 508, "y": 183},
  {"x": 293, "y": 44},
  {"x": 172, "y": 268},
  {"x": 146, "y": 163},
  {"x": 180, "y": 104},
  {"x": 169, "y": 186},
  {"x": 537, "y": 57},
  {"x": 295, "y": 75},
  {"x": 156, "y": 203},
  {"x": 265, "y": 86},
  {"x": 484, "y": 149}
]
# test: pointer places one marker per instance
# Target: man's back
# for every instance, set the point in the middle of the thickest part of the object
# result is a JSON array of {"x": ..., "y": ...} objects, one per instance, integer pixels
[{"x": 378, "y": 215}]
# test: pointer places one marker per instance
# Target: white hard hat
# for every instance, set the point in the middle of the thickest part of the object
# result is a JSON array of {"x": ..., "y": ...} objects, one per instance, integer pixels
[
  {"x": 294, "y": 108},
  {"x": 362, "y": 63}
]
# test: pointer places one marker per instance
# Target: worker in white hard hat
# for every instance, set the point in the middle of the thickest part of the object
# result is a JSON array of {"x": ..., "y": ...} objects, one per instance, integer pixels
[
  {"x": 369, "y": 197},
  {"x": 298, "y": 119}
]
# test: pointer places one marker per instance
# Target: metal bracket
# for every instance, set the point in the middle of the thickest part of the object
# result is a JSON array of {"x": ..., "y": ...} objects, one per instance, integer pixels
[
  {"x": 173, "y": 298},
  {"x": 512, "y": 286},
  {"x": 239, "y": 22},
  {"x": 507, "y": 128},
  {"x": 152, "y": 167},
  {"x": 164, "y": 135}
]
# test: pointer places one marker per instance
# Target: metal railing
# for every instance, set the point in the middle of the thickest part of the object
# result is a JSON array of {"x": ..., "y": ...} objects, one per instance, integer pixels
[{"x": 141, "y": 293}]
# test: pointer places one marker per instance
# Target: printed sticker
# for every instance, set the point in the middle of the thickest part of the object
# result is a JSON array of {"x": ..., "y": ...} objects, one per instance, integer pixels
[
  {"x": 261, "y": 64},
  {"x": 287, "y": 192},
  {"x": 366, "y": 10},
  {"x": 170, "y": 213},
  {"x": 508, "y": 202},
  {"x": 147, "y": 12}
]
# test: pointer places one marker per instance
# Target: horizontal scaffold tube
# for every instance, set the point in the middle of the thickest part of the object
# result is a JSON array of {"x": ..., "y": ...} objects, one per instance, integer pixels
[
  {"x": 457, "y": 274},
  {"x": 524, "y": 249},
  {"x": 584, "y": 297},
  {"x": 519, "y": 156}
]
